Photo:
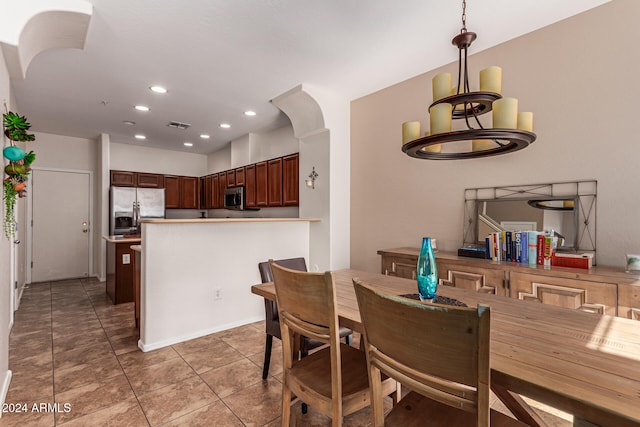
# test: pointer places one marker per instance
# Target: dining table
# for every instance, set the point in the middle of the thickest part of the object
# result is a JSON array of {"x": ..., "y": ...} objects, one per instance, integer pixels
[{"x": 582, "y": 363}]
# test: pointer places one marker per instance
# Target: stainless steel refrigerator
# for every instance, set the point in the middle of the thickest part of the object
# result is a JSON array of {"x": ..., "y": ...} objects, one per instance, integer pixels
[{"x": 129, "y": 205}]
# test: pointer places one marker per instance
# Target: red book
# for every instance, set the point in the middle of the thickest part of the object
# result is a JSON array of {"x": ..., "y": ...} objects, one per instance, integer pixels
[
  {"x": 570, "y": 260},
  {"x": 540, "y": 254}
]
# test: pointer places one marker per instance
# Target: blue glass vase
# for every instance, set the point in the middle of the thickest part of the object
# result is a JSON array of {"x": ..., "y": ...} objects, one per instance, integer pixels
[{"x": 427, "y": 271}]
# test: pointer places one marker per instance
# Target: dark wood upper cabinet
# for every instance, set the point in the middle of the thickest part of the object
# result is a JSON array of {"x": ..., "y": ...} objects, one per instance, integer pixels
[
  {"x": 274, "y": 197},
  {"x": 189, "y": 193},
  {"x": 171, "y": 192},
  {"x": 261, "y": 184},
  {"x": 215, "y": 192},
  {"x": 149, "y": 180},
  {"x": 240, "y": 176},
  {"x": 231, "y": 178},
  {"x": 123, "y": 178},
  {"x": 221, "y": 188},
  {"x": 249, "y": 186},
  {"x": 205, "y": 192},
  {"x": 290, "y": 180}
]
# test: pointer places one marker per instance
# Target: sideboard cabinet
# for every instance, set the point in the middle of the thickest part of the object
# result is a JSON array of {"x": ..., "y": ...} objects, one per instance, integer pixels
[{"x": 600, "y": 290}]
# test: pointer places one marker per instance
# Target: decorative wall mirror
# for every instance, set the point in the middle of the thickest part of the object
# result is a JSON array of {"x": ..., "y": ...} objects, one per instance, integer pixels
[{"x": 567, "y": 208}]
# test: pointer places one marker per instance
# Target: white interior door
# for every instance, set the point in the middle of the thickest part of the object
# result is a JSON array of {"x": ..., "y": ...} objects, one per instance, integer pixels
[{"x": 60, "y": 224}]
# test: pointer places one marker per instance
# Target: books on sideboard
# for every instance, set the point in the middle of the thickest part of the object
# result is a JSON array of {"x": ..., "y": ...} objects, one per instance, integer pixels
[{"x": 533, "y": 248}]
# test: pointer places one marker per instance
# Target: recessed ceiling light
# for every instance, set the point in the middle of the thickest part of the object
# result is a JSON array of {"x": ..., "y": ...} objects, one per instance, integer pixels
[
  {"x": 188, "y": 144},
  {"x": 142, "y": 108},
  {"x": 158, "y": 89},
  {"x": 249, "y": 113},
  {"x": 225, "y": 125},
  {"x": 128, "y": 122},
  {"x": 141, "y": 137},
  {"x": 205, "y": 136}
]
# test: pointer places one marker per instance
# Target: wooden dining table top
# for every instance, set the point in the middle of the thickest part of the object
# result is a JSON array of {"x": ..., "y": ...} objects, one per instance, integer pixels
[{"x": 582, "y": 363}]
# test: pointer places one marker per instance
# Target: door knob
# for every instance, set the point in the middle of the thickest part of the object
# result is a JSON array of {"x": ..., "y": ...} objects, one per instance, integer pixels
[
  {"x": 17, "y": 242},
  {"x": 85, "y": 227}
]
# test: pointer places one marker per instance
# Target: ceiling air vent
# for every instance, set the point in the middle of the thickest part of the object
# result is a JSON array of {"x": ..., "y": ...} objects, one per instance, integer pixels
[{"x": 179, "y": 125}]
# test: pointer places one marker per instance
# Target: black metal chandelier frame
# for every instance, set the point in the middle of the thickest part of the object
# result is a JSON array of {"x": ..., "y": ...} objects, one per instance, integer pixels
[{"x": 474, "y": 104}]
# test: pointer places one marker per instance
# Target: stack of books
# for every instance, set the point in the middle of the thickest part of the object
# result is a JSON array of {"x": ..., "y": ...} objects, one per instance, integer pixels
[{"x": 533, "y": 248}]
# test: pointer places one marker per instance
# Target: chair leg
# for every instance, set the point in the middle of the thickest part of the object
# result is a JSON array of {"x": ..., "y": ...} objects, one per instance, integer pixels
[
  {"x": 267, "y": 356},
  {"x": 286, "y": 405}
]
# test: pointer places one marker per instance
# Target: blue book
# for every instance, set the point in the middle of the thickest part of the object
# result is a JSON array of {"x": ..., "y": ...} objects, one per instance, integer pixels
[
  {"x": 508, "y": 247},
  {"x": 487, "y": 244},
  {"x": 524, "y": 239},
  {"x": 517, "y": 246}
]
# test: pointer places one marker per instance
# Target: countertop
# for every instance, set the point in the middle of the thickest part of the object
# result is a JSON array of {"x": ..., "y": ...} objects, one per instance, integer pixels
[
  {"x": 224, "y": 220},
  {"x": 122, "y": 239}
]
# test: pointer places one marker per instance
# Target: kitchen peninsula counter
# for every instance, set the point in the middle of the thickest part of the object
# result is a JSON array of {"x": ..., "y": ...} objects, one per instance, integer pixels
[{"x": 196, "y": 274}]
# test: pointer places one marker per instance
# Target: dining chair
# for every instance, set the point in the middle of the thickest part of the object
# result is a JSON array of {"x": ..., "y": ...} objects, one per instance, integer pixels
[
  {"x": 440, "y": 353},
  {"x": 333, "y": 380},
  {"x": 272, "y": 322}
]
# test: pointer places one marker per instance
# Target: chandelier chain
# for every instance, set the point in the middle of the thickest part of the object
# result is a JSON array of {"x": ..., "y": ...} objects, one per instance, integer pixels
[{"x": 464, "y": 15}]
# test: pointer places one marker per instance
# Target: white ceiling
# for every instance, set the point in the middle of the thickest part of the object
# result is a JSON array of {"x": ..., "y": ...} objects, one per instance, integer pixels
[{"x": 219, "y": 58}]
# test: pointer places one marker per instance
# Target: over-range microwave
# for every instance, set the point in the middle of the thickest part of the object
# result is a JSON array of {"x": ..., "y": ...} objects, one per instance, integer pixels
[{"x": 234, "y": 198}]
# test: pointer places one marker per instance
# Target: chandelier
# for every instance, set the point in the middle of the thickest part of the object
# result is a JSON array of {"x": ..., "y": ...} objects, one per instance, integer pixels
[{"x": 511, "y": 130}]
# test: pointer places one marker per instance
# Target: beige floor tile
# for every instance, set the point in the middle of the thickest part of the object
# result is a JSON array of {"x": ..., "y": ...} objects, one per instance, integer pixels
[
  {"x": 123, "y": 414},
  {"x": 144, "y": 380},
  {"x": 92, "y": 397},
  {"x": 139, "y": 359},
  {"x": 214, "y": 415},
  {"x": 176, "y": 400},
  {"x": 233, "y": 377},
  {"x": 209, "y": 355},
  {"x": 257, "y": 404},
  {"x": 104, "y": 367},
  {"x": 83, "y": 339},
  {"x": 80, "y": 355},
  {"x": 30, "y": 387},
  {"x": 246, "y": 339},
  {"x": 27, "y": 419},
  {"x": 275, "y": 366}
]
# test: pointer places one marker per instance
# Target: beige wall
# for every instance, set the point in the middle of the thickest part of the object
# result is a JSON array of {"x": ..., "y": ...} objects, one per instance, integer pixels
[
  {"x": 5, "y": 265},
  {"x": 580, "y": 79},
  {"x": 153, "y": 160}
]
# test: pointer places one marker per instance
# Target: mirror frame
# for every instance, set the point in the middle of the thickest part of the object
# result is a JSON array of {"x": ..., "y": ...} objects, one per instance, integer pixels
[{"x": 582, "y": 192}]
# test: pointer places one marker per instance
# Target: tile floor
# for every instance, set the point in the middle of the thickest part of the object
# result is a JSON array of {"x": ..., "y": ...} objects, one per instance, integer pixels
[{"x": 71, "y": 347}]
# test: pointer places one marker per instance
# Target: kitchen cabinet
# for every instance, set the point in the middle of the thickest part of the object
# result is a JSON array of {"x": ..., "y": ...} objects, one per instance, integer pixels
[
  {"x": 123, "y": 178},
  {"x": 274, "y": 182},
  {"x": 250, "y": 186},
  {"x": 120, "y": 271},
  {"x": 172, "y": 192},
  {"x": 215, "y": 191},
  {"x": 231, "y": 178},
  {"x": 149, "y": 180},
  {"x": 205, "y": 192},
  {"x": 290, "y": 180},
  {"x": 240, "y": 176},
  {"x": 221, "y": 187},
  {"x": 189, "y": 193},
  {"x": 599, "y": 290},
  {"x": 261, "y": 184}
]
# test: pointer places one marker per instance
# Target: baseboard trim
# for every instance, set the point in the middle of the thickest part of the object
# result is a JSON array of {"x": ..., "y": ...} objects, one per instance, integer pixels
[
  {"x": 175, "y": 340},
  {"x": 5, "y": 387}
]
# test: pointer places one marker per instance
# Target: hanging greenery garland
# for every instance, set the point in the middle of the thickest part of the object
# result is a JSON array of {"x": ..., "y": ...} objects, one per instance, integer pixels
[{"x": 18, "y": 169}]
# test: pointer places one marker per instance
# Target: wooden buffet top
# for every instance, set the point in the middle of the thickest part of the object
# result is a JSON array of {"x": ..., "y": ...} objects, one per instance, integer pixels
[{"x": 582, "y": 363}]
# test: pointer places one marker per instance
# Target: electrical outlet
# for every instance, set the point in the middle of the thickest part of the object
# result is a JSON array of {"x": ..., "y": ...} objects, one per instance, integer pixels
[{"x": 217, "y": 294}]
